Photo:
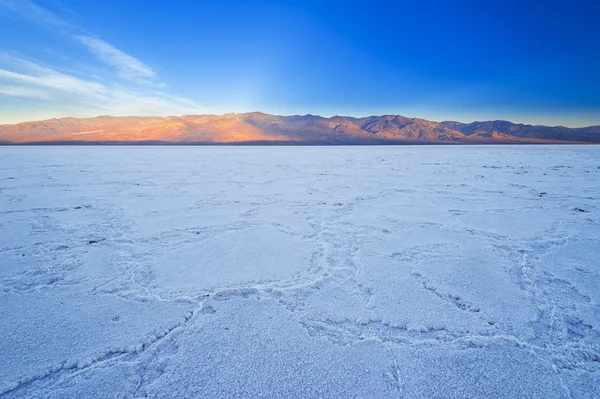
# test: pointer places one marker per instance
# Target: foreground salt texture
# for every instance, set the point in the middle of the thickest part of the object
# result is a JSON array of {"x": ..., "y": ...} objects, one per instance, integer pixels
[{"x": 188, "y": 272}]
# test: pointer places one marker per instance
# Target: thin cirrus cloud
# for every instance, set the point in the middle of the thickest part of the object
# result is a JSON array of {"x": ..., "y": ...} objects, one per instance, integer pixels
[
  {"x": 128, "y": 67},
  {"x": 30, "y": 11},
  {"x": 133, "y": 88},
  {"x": 68, "y": 93}
]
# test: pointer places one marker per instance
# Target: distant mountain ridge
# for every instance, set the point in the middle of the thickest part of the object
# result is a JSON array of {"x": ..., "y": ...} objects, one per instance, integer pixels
[
  {"x": 257, "y": 127},
  {"x": 559, "y": 133}
]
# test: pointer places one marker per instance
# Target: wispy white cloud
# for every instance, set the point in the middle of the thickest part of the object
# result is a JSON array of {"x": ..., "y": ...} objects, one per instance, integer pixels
[
  {"x": 128, "y": 67},
  {"x": 29, "y": 74},
  {"x": 134, "y": 88},
  {"x": 47, "y": 87},
  {"x": 34, "y": 13}
]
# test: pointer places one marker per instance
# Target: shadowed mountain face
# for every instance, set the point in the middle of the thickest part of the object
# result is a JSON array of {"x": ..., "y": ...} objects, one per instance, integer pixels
[
  {"x": 257, "y": 127},
  {"x": 508, "y": 129}
]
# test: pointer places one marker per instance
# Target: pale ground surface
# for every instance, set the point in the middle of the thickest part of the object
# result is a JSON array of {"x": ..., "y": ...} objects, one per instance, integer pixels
[{"x": 416, "y": 272}]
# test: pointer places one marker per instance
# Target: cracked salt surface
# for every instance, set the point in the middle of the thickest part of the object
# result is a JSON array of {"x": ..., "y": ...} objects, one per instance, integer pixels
[{"x": 410, "y": 272}]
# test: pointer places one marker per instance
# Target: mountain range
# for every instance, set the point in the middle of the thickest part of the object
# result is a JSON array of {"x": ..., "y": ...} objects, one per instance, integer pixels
[{"x": 260, "y": 128}]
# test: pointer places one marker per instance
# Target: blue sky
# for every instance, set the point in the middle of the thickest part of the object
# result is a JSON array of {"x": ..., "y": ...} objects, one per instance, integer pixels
[{"x": 525, "y": 61}]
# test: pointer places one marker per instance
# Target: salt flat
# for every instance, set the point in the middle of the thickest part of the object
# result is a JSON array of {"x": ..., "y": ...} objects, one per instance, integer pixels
[{"x": 411, "y": 272}]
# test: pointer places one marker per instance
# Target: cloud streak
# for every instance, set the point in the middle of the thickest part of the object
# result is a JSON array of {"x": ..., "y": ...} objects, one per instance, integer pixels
[
  {"x": 128, "y": 67},
  {"x": 133, "y": 89},
  {"x": 52, "y": 89},
  {"x": 34, "y": 13}
]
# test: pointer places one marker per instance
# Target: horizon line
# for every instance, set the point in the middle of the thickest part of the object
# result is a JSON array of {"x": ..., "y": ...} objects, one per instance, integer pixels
[{"x": 303, "y": 115}]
